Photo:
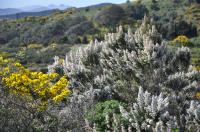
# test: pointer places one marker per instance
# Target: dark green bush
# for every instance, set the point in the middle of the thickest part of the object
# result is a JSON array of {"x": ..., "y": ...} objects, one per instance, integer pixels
[
  {"x": 110, "y": 16},
  {"x": 99, "y": 112}
]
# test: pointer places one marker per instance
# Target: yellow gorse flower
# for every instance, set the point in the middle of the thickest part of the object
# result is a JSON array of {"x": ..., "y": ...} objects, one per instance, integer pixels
[
  {"x": 197, "y": 94},
  {"x": 36, "y": 86},
  {"x": 184, "y": 40}
]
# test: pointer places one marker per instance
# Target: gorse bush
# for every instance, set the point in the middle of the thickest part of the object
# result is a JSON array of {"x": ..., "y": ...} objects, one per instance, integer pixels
[
  {"x": 182, "y": 40},
  {"x": 34, "y": 84},
  {"x": 26, "y": 97},
  {"x": 118, "y": 66},
  {"x": 34, "y": 46},
  {"x": 126, "y": 60}
]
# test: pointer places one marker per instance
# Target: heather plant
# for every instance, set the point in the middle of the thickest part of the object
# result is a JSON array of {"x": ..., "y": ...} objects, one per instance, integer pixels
[
  {"x": 125, "y": 61},
  {"x": 151, "y": 113},
  {"x": 146, "y": 114},
  {"x": 118, "y": 66}
]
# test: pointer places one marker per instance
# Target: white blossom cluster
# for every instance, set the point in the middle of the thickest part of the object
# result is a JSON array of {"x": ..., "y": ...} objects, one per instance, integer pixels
[
  {"x": 51, "y": 68},
  {"x": 150, "y": 113},
  {"x": 118, "y": 66},
  {"x": 147, "y": 112}
]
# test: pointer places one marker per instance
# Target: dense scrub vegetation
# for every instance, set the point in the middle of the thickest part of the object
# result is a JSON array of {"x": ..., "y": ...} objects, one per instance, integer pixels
[
  {"x": 141, "y": 77},
  {"x": 81, "y": 25},
  {"x": 150, "y": 86}
]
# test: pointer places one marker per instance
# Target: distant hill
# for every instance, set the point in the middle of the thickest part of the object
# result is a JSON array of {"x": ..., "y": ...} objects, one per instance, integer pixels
[
  {"x": 30, "y": 9},
  {"x": 35, "y": 8},
  {"x": 25, "y": 14},
  {"x": 100, "y": 5},
  {"x": 7, "y": 11},
  {"x": 38, "y": 8},
  {"x": 60, "y": 7}
]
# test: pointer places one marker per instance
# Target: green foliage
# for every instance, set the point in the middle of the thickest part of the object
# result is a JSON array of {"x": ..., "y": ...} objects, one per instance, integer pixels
[
  {"x": 110, "y": 16},
  {"x": 98, "y": 113},
  {"x": 195, "y": 56},
  {"x": 43, "y": 29},
  {"x": 194, "y": 44},
  {"x": 136, "y": 10},
  {"x": 195, "y": 41}
]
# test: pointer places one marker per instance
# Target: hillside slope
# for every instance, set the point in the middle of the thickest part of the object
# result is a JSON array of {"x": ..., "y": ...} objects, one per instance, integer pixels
[{"x": 81, "y": 25}]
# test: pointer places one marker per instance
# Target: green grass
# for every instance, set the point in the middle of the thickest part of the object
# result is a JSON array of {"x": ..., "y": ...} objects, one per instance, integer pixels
[{"x": 195, "y": 51}]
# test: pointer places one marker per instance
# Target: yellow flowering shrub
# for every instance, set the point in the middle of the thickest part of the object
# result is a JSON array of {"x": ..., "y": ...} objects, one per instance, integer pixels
[
  {"x": 184, "y": 40},
  {"x": 34, "y": 46},
  {"x": 34, "y": 86},
  {"x": 197, "y": 68},
  {"x": 29, "y": 19},
  {"x": 3, "y": 65},
  {"x": 197, "y": 95},
  {"x": 54, "y": 45}
]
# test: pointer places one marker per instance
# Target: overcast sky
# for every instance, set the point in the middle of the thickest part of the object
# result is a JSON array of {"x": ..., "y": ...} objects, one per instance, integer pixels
[{"x": 76, "y": 3}]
